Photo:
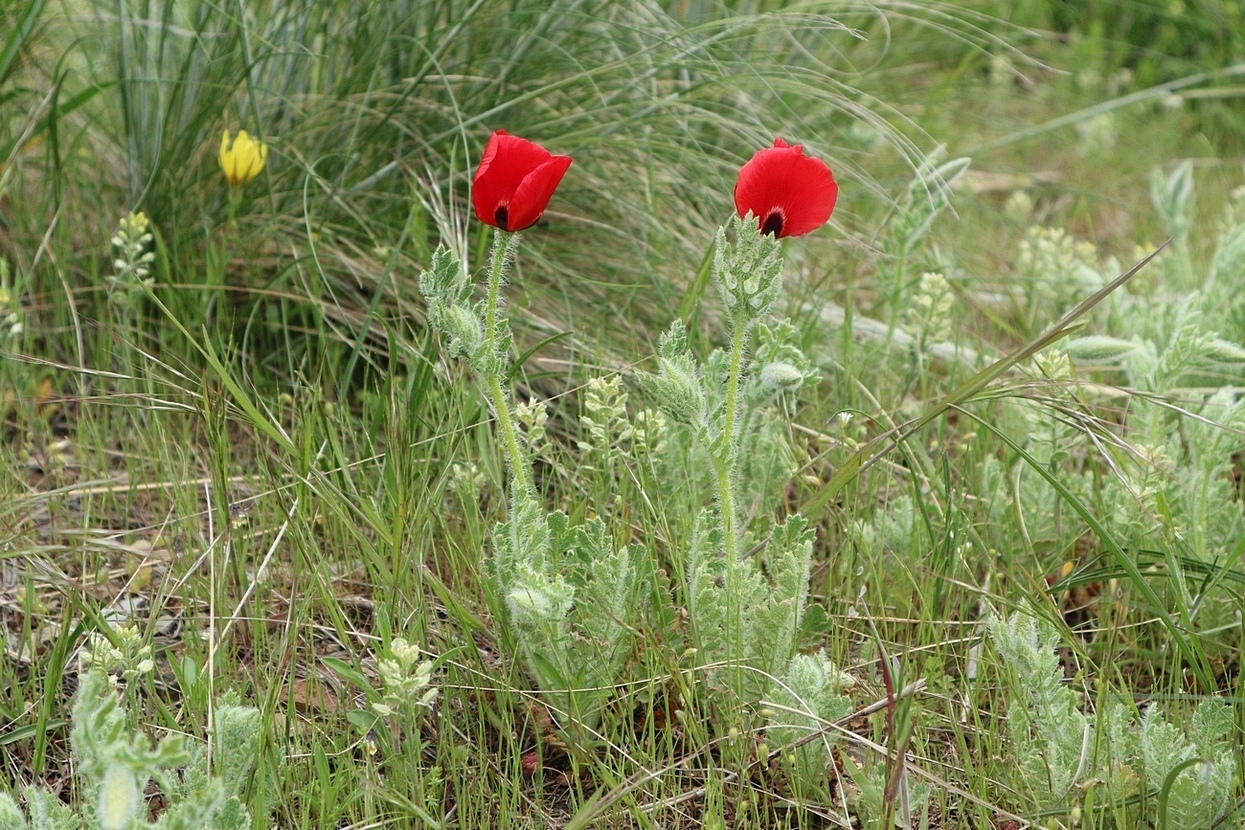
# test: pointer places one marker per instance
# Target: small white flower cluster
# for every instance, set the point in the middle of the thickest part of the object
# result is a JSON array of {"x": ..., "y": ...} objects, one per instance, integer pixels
[
  {"x": 133, "y": 254},
  {"x": 404, "y": 678},
  {"x": 609, "y": 432},
  {"x": 1018, "y": 207},
  {"x": 929, "y": 316},
  {"x": 648, "y": 433},
  {"x": 128, "y": 655},
  {"x": 605, "y": 417},
  {"x": 11, "y": 323},
  {"x": 1053, "y": 364},
  {"x": 533, "y": 416},
  {"x": 1098, "y": 134},
  {"x": 467, "y": 481},
  {"x": 1059, "y": 266}
]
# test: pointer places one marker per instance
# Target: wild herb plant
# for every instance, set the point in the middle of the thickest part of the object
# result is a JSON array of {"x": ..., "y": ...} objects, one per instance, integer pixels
[
  {"x": 811, "y": 695},
  {"x": 744, "y": 626},
  {"x": 571, "y": 594},
  {"x": 406, "y": 692},
  {"x": 133, "y": 248},
  {"x": 114, "y": 762},
  {"x": 391, "y": 727},
  {"x": 1050, "y": 736},
  {"x": 1191, "y": 774},
  {"x": 1184, "y": 777},
  {"x": 926, "y": 198},
  {"x": 875, "y": 804}
]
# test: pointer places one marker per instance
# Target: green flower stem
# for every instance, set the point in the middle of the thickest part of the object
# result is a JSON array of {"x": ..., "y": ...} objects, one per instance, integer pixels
[
  {"x": 510, "y": 438},
  {"x": 725, "y": 466},
  {"x": 503, "y": 247}
]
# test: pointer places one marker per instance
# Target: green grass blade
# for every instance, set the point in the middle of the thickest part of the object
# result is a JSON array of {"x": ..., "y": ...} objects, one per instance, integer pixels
[
  {"x": 18, "y": 36},
  {"x": 691, "y": 300}
]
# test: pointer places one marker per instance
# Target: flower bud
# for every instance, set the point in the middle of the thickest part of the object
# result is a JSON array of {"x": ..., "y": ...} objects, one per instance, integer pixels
[
  {"x": 241, "y": 158},
  {"x": 748, "y": 273},
  {"x": 1098, "y": 348},
  {"x": 118, "y": 798},
  {"x": 781, "y": 377}
]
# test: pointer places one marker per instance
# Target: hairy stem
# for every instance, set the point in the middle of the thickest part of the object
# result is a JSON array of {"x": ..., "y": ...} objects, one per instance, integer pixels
[
  {"x": 725, "y": 464},
  {"x": 510, "y": 439},
  {"x": 503, "y": 248}
]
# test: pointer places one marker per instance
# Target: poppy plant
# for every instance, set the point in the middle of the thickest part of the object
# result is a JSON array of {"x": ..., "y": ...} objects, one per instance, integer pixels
[
  {"x": 515, "y": 181},
  {"x": 789, "y": 193}
]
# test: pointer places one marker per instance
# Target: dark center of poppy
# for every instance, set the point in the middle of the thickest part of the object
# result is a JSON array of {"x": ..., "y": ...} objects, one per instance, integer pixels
[
  {"x": 773, "y": 223},
  {"x": 500, "y": 216}
]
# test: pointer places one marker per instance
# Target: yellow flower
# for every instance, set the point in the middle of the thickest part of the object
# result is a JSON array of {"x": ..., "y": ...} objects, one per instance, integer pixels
[{"x": 241, "y": 158}]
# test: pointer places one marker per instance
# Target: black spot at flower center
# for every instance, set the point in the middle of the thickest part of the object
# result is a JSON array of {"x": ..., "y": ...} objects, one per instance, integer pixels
[
  {"x": 773, "y": 223},
  {"x": 500, "y": 216}
]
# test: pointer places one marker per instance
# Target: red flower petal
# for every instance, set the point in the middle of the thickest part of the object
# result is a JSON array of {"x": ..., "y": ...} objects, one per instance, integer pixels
[
  {"x": 515, "y": 181},
  {"x": 535, "y": 191},
  {"x": 789, "y": 193}
]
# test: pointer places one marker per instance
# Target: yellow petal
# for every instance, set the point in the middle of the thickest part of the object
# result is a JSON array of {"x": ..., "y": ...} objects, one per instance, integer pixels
[{"x": 224, "y": 155}]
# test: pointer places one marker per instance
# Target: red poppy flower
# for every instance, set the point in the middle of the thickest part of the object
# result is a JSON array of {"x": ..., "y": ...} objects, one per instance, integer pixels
[
  {"x": 789, "y": 193},
  {"x": 515, "y": 181}
]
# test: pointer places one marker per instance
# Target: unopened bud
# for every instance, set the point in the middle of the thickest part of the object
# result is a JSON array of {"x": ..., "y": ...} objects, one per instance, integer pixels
[
  {"x": 118, "y": 798},
  {"x": 1099, "y": 348},
  {"x": 781, "y": 377}
]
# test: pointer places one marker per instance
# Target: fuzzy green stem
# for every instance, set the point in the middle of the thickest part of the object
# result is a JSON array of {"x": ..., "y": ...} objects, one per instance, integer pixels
[
  {"x": 725, "y": 465},
  {"x": 503, "y": 246},
  {"x": 510, "y": 438}
]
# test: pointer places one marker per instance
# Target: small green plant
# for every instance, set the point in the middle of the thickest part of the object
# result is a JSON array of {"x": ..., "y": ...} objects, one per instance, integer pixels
[
  {"x": 114, "y": 763},
  {"x": 1186, "y": 777},
  {"x": 927, "y": 197},
  {"x": 134, "y": 256},
  {"x": 876, "y": 807},
  {"x": 1175, "y": 471},
  {"x": 392, "y": 724},
  {"x": 1191, "y": 775},
  {"x": 132, "y": 246},
  {"x": 1051, "y": 738},
  {"x": 810, "y": 696},
  {"x": 405, "y": 679}
]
